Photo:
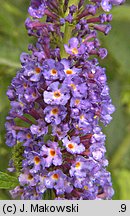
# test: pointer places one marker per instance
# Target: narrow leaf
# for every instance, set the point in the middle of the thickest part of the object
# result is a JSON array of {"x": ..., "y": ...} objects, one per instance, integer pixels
[{"x": 7, "y": 182}]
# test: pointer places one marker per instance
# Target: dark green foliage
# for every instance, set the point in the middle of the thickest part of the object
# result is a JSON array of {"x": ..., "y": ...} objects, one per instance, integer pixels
[
  {"x": 17, "y": 156},
  {"x": 7, "y": 181}
]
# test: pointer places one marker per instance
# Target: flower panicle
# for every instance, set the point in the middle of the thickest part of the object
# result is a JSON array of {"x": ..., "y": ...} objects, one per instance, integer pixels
[{"x": 58, "y": 99}]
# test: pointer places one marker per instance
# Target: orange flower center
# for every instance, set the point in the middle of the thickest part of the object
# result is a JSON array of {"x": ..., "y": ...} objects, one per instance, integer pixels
[
  {"x": 30, "y": 177},
  {"x": 52, "y": 152},
  {"x": 53, "y": 72},
  {"x": 36, "y": 160},
  {"x": 69, "y": 72},
  {"x": 55, "y": 176},
  {"x": 38, "y": 70},
  {"x": 70, "y": 145},
  {"x": 34, "y": 94},
  {"x": 82, "y": 117},
  {"x": 28, "y": 136},
  {"x": 57, "y": 94},
  {"x": 25, "y": 85},
  {"x": 86, "y": 187},
  {"x": 77, "y": 165},
  {"x": 73, "y": 86},
  {"x": 77, "y": 101},
  {"x": 90, "y": 75},
  {"x": 54, "y": 111},
  {"x": 74, "y": 51}
]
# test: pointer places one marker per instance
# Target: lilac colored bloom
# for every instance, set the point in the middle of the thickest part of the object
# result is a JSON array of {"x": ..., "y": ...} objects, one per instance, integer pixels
[
  {"x": 74, "y": 48},
  {"x": 58, "y": 180},
  {"x": 107, "y": 4},
  {"x": 25, "y": 136},
  {"x": 73, "y": 146},
  {"x": 33, "y": 160},
  {"x": 56, "y": 94},
  {"x": 33, "y": 71},
  {"x": 27, "y": 178},
  {"x": 11, "y": 138},
  {"x": 68, "y": 69},
  {"x": 37, "y": 8},
  {"x": 80, "y": 104},
  {"x": 55, "y": 114},
  {"x": 31, "y": 95},
  {"x": 39, "y": 129},
  {"x": 17, "y": 107},
  {"x": 77, "y": 86},
  {"x": 16, "y": 192},
  {"x": 52, "y": 154},
  {"x": 82, "y": 122},
  {"x": 52, "y": 70},
  {"x": 60, "y": 131},
  {"x": 79, "y": 167}
]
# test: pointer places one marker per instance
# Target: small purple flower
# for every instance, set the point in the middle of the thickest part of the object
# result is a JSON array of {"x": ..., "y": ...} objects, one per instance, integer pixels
[
  {"x": 39, "y": 129},
  {"x": 37, "y": 8},
  {"x": 107, "y": 4},
  {"x": 17, "y": 107},
  {"x": 60, "y": 131},
  {"x": 11, "y": 93},
  {"x": 33, "y": 160},
  {"x": 68, "y": 69},
  {"x": 55, "y": 114},
  {"x": 73, "y": 146},
  {"x": 31, "y": 95},
  {"x": 25, "y": 136},
  {"x": 16, "y": 192},
  {"x": 78, "y": 169},
  {"x": 59, "y": 181},
  {"x": 27, "y": 178},
  {"x": 80, "y": 104},
  {"x": 11, "y": 138},
  {"x": 106, "y": 110},
  {"x": 82, "y": 121},
  {"x": 74, "y": 48},
  {"x": 33, "y": 71},
  {"x": 53, "y": 70},
  {"x": 77, "y": 86},
  {"x": 51, "y": 154},
  {"x": 56, "y": 94}
]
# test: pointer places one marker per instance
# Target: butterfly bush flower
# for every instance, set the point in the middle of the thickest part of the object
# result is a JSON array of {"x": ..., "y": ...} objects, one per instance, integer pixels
[{"x": 58, "y": 99}]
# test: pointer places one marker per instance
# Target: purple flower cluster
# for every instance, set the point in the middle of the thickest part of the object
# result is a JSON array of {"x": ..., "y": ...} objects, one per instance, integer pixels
[{"x": 58, "y": 98}]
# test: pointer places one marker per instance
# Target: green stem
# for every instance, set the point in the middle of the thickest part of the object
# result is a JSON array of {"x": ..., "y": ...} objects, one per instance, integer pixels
[
  {"x": 49, "y": 195},
  {"x": 67, "y": 36},
  {"x": 67, "y": 30}
]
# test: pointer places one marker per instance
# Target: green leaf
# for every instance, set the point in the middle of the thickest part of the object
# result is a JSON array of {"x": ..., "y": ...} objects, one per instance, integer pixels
[
  {"x": 49, "y": 195},
  {"x": 7, "y": 182}
]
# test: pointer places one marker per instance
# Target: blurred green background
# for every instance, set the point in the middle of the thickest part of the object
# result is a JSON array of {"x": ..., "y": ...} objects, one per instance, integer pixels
[{"x": 14, "y": 40}]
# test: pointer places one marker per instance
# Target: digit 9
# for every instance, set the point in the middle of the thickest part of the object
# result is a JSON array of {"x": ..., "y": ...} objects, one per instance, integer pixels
[{"x": 123, "y": 207}]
